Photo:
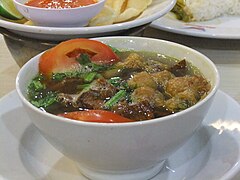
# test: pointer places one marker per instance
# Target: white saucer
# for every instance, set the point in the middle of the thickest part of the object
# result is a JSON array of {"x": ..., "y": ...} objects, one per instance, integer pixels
[{"x": 212, "y": 153}]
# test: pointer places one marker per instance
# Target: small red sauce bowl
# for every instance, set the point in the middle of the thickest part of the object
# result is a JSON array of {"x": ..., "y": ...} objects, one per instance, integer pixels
[{"x": 69, "y": 17}]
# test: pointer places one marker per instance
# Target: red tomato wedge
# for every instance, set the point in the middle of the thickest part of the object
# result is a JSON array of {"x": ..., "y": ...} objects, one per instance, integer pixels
[
  {"x": 100, "y": 116},
  {"x": 62, "y": 57}
]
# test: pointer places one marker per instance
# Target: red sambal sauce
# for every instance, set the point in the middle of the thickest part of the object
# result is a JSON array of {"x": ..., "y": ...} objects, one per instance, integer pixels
[{"x": 59, "y": 4}]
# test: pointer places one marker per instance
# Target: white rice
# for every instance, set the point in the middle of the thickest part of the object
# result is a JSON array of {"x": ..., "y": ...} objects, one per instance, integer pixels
[{"x": 208, "y": 9}]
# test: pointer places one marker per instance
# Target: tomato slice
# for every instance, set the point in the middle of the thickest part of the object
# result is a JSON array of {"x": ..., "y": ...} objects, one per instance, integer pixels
[
  {"x": 62, "y": 57},
  {"x": 100, "y": 116}
]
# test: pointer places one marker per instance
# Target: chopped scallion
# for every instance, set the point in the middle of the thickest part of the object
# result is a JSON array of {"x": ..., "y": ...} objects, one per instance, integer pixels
[
  {"x": 89, "y": 77},
  {"x": 111, "y": 102}
]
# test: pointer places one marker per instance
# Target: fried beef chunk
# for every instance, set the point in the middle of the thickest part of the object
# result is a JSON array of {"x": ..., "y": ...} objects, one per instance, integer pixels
[
  {"x": 67, "y": 85},
  {"x": 154, "y": 97},
  {"x": 182, "y": 100},
  {"x": 180, "y": 84},
  {"x": 93, "y": 98},
  {"x": 155, "y": 66},
  {"x": 137, "y": 111},
  {"x": 162, "y": 77},
  {"x": 133, "y": 61},
  {"x": 185, "y": 91},
  {"x": 179, "y": 69},
  {"x": 142, "y": 79}
]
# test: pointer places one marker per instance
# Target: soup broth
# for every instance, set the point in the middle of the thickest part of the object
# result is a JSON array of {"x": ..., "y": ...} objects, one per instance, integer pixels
[{"x": 141, "y": 86}]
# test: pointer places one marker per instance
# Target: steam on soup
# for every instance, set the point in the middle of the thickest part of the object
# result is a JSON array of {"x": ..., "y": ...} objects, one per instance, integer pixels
[{"x": 89, "y": 81}]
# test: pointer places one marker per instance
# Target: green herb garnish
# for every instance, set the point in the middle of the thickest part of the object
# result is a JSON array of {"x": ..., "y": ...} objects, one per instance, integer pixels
[
  {"x": 89, "y": 77},
  {"x": 36, "y": 86},
  {"x": 45, "y": 100},
  {"x": 61, "y": 76},
  {"x": 84, "y": 60},
  {"x": 115, "y": 50},
  {"x": 116, "y": 98}
]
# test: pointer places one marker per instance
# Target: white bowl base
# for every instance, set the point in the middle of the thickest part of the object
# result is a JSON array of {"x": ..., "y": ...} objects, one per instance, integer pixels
[{"x": 142, "y": 174}]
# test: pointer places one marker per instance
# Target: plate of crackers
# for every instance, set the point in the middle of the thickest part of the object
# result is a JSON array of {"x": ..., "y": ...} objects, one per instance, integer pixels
[{"x": 117, "y": 16}]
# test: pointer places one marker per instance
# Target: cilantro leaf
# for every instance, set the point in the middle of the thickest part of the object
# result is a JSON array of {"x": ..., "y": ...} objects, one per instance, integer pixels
[
  {"x": 45, "y": 100},
  {"x": 84, "y": 59},
  {"x": 36, "y": 86}
]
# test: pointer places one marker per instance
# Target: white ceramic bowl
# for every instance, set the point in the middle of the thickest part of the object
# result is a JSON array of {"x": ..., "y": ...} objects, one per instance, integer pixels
[
  {"x": 157, "y": 9},
  {"x": 127, "y": 150},
  {"x": 70, "y": 17}
]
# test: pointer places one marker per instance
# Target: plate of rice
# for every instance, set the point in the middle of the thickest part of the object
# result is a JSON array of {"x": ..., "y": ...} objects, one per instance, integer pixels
[{"x": 218, "y": 19}]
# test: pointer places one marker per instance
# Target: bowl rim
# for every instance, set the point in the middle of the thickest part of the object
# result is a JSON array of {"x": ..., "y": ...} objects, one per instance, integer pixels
[
  {"x": 126, "y": 124},
  {"x": 54, "y": 9}
]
